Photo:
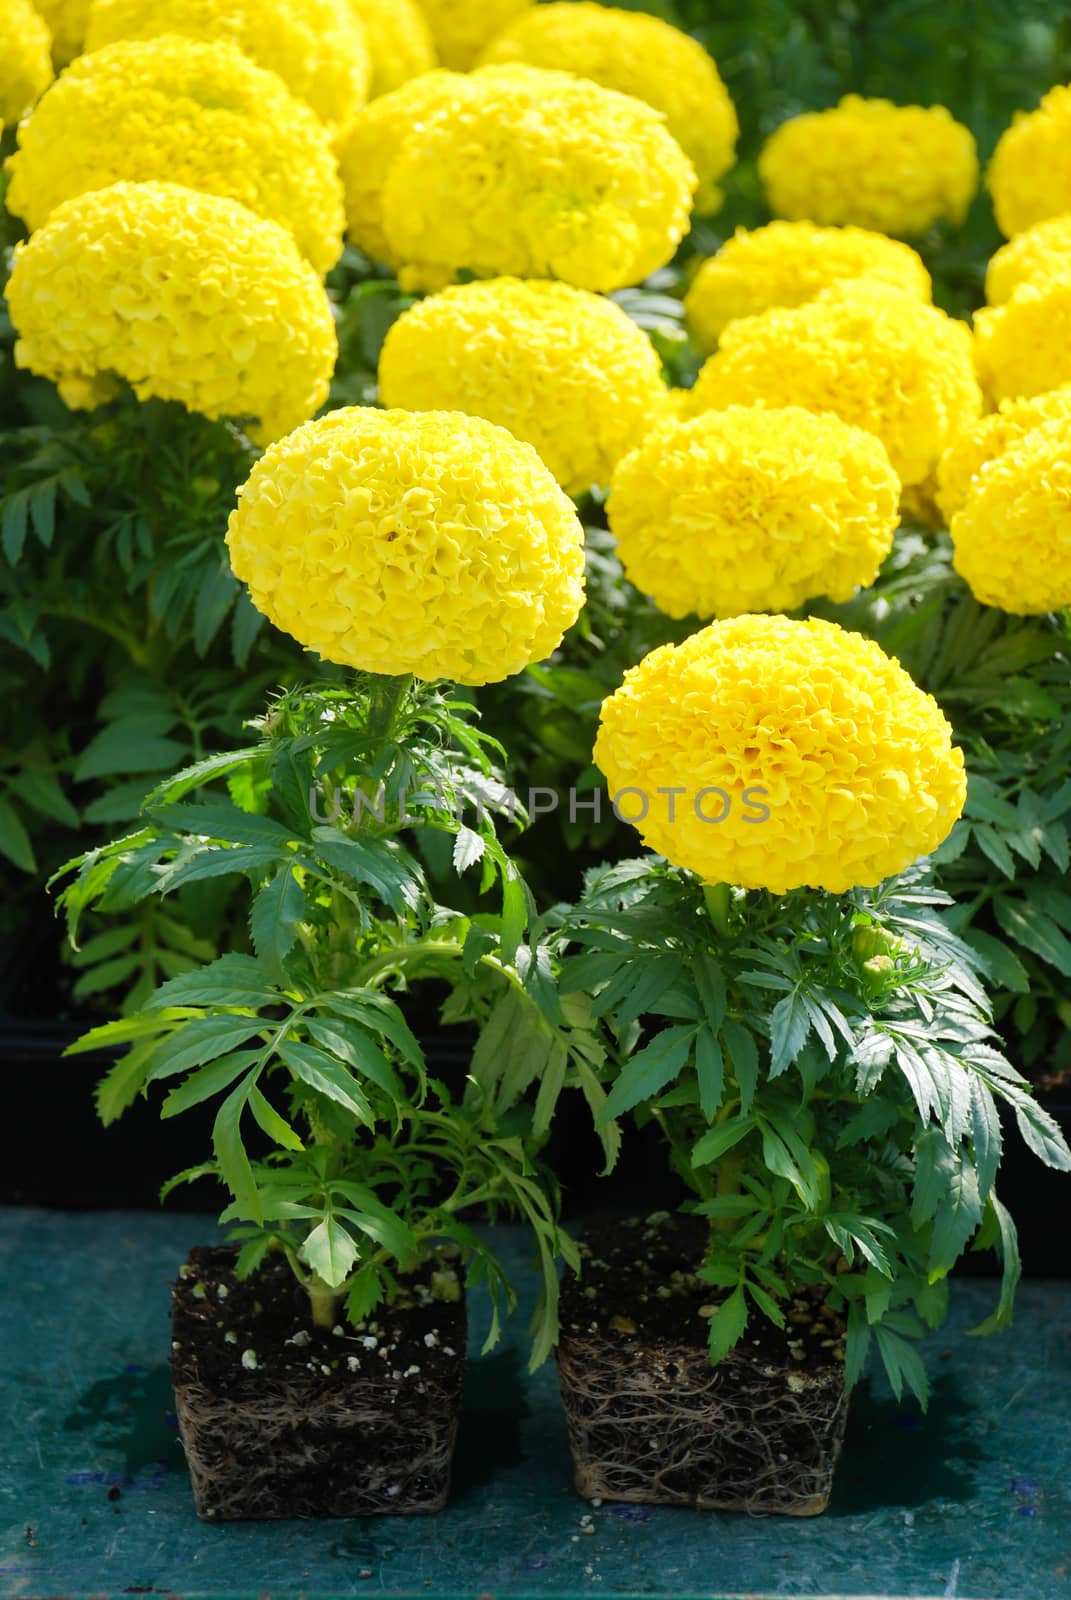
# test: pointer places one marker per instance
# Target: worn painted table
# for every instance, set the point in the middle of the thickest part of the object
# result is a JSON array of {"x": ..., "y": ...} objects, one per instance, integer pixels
[{"x": 972, "y": 1500}]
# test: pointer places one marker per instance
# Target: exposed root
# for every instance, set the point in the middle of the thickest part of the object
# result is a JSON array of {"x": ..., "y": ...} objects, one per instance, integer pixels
[
  {"x": 659, "y": 1424},
  {"x": 318, "y": 1452}
]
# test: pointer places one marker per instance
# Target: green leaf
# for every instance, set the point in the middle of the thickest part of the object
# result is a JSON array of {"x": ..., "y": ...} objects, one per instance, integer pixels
[
  {"x": 985, "y": 802},
  {"x": 359, "y": 1052},
  {"x": 215, "y": 596},
  {"x": 134, "y": 744},
  {"x": 711, "y": 1146},
  {"x": 387, "y": 871},
  {"x": 208, "y": 1081},
  {"x": 275, "y": 1126},
  {"x": 468, "y": 849},
  {"x": 1009, "y": 1253},
  {"x": 551, "y": 1083},
  {"x": 216, "y": 819},
  {"x": 902, "y": 1365},
  {"x": 992, "y": 844},
  {"x": 1042, "y": 1133},
  {"x": 203, "y": 1039},
  {"x": 1036, "y": 932},
  {"x": 330, "y": 1250},
  {"x": 648, "y": 1071},
  {"x": 710, "y": 985},
  {"x": 957, "y": 1217},
  {"x": 14, "y": 840},
  {"x": 328, "y": 1077},
  {"x": 789, "y": 1027},
  {"x": 232, "y": 980},
  {"x": 727, "y": 1325},
  {"x": 14, "y": 524},
  {"x": 122, "y": 1083},
  {"x": 193, "y": 777},
  {"x": 273, "y": 921},
  {"x": 743, "y": 1056},
  {"x": 107, "y": 975},
  {"x": 1002, "y": 965},
  {"x": 365, "y": 1294},
  {"x": 234, "y": 1166},
  {"x": 514, "y": 915},
  {"x": 41, "y": 790},
  {"x": 710, "y": 1072}
]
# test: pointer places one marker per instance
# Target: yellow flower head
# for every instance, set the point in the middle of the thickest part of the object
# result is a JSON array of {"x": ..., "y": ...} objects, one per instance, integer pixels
[
  {"x": 186, "y": 296},
  {"x": 67, "y": 21},
  {"x": 370, "y": 146},
  {"x": 876, "y": 358},
  {"x": 897, "y": 169},
  {"x": 317, "y": 47},
  {"x": 399, "y": 42},
  {"x": 539, "y": 175},
  {"x": 461, "y": 28},
  {"x": 788, "y": 264},
  {"x": 184, "y": 112},
  {"x": 962, "y": 463},
  {"x": 564, "y": 369},
  {"x": 1012, "y": 535},
  {"x": 1024, "y": 345},
  {"x": 639, "y": 55},
  {"x": 801, "y": 755},
  {"x": 1040, "y": 253},
  {"x": 398, "y": 542},
  {"x": 25, "y": 59},
  {"x": 753, "y": 510},
  {"x": 1029, "y": 176}
]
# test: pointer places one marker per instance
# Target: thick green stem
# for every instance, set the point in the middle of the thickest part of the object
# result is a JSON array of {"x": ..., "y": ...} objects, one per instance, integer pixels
[
  {"x": 388, "y": 697},
  {"x": 324, "y": 1301},
  {"x": 717, "y": 898}
]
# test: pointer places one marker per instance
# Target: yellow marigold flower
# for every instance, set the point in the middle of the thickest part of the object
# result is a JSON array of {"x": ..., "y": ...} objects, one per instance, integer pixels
[
  {"x": 317, "y": 47},
  {"x": 788, "y": 264},
  {"x": 370, "y": 146},
  {"x": 461, "y": 28},
  {"x": 67, "y": 21},
  {"x": 423, "y": 542},
  {"x": 897, "y": 169},
  {"x": 540, "y": 175},
  {"x": 876, "y": 358},
  {"x": 1012, "y": 535},
  {"x": 399, "y": 42},
  {"x": 564, "y": 369},
  {"x": 800, "y": 755},
  {"x": 186, "y": 296},
  {"x": 753, "y": 510},
  {"x": 1040, "y": 253},
  {"x": 962, "y": 463},
  {"x": 184, "y": 112},
  {"x": 639, "y": 55},
  {"x": 25, "y": 58},
  {"x": 1024, "y": 346},
  {"x": 1029, "y": 176}
]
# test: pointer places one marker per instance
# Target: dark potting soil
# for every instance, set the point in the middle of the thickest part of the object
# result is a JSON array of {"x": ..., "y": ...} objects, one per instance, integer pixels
[
  {"x": 281, "y": 1418},
  {"x": 652, "y": 1420}
]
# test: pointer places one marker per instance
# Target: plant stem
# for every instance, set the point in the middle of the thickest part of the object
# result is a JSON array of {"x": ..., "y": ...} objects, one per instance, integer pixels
[
  {"x": 324, "y": 1301},
  {"x": 717, "y": 900},
  {"x": 388, "y": 697}
]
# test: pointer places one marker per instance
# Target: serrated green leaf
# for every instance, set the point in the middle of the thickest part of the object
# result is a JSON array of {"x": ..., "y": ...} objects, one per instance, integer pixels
[
  {"x": 274, "y": 918},
  {"x": 648, "y": 1071},
  {"x": 14, "y": 839},
  {"x": 789, "y": 1026},
  {"x": 713, "y": 1144},
  {"x": 234, "y": 1164},
  {"x": 1036, "y": 932},
  {"x": 710, "y": 1073},
  {"x": 200, "y": 1040},
  {"x": 743, "y": 1054},
  {"x": 328, "y": 1077},
  {"x": 330, "y": 1250},
  {"x": 727, "y": 1325},
  {"x": 208, "y": 1081}
]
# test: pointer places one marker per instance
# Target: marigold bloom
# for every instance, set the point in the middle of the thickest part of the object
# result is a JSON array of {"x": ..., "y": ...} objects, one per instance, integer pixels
[
  {"x": 370, "y": 146},
  {"x": 1029, "y": 176},
  {"x": 1024, "y": 345},
  {"x": 564, "y": 369},
  {"x": 800, "y": 755},
  {"x": 461, "y": 28},
  {"x": 317, "y": 47},
  {"x": 1012, "y": 535},
  {"x": 962, "y": 463},
  {"x": 753, "y": 510},
  {"x": 184, "y": 112},
  {"x": 66, "y": 21},
  {"x": 788, "y": 264},
  {"x": 423, "y": 542},
  {"x": 399, "y": 42},
  {"x": 25, "y": 58},
  {"x": 897, "y": 169},
  {"x": 1042, "y": 252},
  {"x": 639, "y": 55},
  {"x": 539, "y": 175},
  {"x": 186, "y": 296},
  {"x": 876, "y": 358}
]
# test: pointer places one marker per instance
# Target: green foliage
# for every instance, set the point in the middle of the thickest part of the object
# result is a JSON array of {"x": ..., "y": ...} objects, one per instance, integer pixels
[
  {"x": 333, "y": 1140},
  {"x": 823, "y": 1070}
]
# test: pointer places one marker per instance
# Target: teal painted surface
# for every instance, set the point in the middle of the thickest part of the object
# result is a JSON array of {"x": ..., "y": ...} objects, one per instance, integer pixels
[{"x": 973, "y": 1500}]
